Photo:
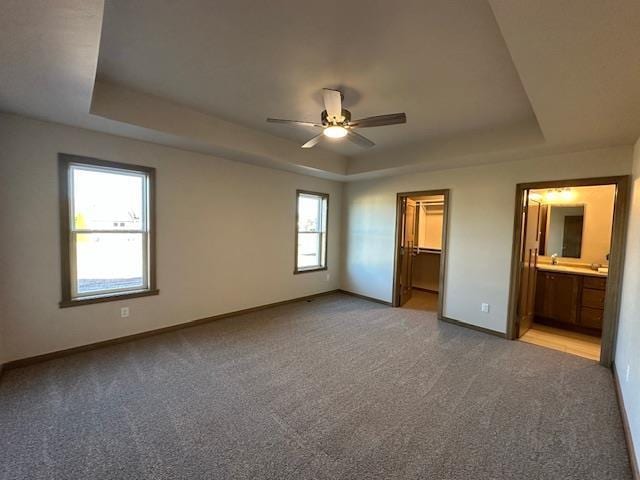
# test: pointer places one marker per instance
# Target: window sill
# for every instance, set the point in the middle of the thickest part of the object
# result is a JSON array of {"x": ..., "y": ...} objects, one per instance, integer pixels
[
  {"x": 307, "y": 270},
  {"x": 108, "y": 298}
]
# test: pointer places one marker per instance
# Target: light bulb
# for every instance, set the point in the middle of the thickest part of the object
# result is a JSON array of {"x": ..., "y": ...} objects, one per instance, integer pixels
[
  {"x": 567, "y": 194},
  {"x": 335, "y": 131},
  {"x": 551, "y": 196}
]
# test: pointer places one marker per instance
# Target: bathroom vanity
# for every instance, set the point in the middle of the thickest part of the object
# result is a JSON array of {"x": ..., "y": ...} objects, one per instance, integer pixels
[{"x": 570, "y": 297}]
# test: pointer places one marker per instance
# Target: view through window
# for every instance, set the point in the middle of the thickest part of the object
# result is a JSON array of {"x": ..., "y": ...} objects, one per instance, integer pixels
[
  {"x": 311, "y": 232},
  {"x": 109, "y": 230}
]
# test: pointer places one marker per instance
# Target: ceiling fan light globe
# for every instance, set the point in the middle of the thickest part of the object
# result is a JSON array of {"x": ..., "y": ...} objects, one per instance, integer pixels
[{"x": 335, "y": 131}]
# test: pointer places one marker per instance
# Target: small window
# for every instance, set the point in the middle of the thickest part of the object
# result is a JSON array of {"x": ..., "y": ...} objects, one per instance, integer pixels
[
  {"x": 311, "y": 231},
  {"x": 107, "y": 234}
]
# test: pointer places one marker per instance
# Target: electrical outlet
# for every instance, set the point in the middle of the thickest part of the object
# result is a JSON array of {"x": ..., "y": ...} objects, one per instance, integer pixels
[
  {"x": 484, "y": 307},
  {"x": 626, "y": 375},
  {"x": 328, "y": 277},
  {"x": 124, "y": 312}
]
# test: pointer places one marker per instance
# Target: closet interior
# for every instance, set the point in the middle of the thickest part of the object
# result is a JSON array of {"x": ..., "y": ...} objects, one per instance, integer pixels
[
  {"x": 423, "y": 218},
  {"x": 428, "y": 244}
]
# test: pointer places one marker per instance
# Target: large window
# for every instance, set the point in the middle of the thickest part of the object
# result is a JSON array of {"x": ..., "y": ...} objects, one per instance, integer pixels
[
  {"x": 107, "y": 237},
  {"x": 311, "y": 231}
]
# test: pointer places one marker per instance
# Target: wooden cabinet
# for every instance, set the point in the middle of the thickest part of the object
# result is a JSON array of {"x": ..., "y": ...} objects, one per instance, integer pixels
[
  {"x": 557, "y": 297},
  {"x": 591, "y": 317},
  {"x": 570, "y": 300},
  {"x": 592, "y": 302},
  {"x": 597, "y": 283},
  {"x": 593, "y": 298}
]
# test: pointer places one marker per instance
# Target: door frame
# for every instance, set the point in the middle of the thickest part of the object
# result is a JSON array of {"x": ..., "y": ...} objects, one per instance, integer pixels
[
  {"x": 616, "y": 258},
  {"x": 526, "y": 206},
  {"x": 443, "y": 254}
]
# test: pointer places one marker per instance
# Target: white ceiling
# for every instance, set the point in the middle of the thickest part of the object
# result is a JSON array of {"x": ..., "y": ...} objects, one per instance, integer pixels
[
  {"x": 479, "y": 81},
  {"x": 444, "y": 63},
  {"x": 579, "y": 61},
  {"x": 48, "y": 53}
]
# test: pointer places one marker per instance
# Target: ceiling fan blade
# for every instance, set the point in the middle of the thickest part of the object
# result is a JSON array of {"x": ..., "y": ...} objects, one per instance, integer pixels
[
  {"x": 379, "y": 120},
  {"x": 333, "y": 104},
  {"x": 295, "y": 122},
  {"x": 359, "y": 139},
  {"x": 313, "y": 142}
]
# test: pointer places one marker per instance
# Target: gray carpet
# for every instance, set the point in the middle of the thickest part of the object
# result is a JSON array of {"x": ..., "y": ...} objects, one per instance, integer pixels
[{"x": 336, "y": 388}]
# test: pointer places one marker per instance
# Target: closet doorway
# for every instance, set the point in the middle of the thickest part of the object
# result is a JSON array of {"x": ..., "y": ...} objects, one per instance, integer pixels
[{"x": 421, "y": 250}]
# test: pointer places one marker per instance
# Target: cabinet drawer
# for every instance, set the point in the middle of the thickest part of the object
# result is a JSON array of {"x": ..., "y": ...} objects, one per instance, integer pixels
[
  {"x": 597, "y": 283},
  {"x": 592, "y": 298},
  {"x": 591, "y": 317}
]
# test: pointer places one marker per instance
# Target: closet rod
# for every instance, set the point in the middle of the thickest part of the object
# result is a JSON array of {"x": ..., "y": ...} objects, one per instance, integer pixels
[{"x": 419, "y": 250}]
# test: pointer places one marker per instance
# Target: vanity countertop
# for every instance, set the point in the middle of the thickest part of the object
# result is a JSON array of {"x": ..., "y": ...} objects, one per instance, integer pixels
[{"x": 570, "y": 269}]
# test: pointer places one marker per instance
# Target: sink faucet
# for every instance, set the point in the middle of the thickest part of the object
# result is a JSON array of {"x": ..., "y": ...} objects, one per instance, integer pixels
[{"x": 554, "y": 259}]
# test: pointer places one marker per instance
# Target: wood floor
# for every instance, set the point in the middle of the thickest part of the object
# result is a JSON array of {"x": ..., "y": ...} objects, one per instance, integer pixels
[
  {"x": 579, "y": 344},
  {"x": 586, "y": 346},
  {"x": 421, "y": 300}
]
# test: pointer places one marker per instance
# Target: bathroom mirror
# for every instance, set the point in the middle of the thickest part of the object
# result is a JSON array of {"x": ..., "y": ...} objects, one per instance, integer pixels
[{"x": 561, "y": 230}]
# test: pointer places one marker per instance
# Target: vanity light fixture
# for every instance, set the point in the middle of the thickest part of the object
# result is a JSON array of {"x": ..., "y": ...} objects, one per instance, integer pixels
[
  {"x": 535, "y": 196},
  {"x": 567, "y": 194},
  {"x": 559, "y": 194},
  {"x": 551, "y": 196}
]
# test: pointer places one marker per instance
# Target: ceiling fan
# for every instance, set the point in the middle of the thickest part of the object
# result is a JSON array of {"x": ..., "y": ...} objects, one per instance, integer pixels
[{"x": 336, "y": 121}]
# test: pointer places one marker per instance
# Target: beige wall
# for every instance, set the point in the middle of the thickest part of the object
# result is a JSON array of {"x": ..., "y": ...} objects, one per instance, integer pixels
[
  {"x": 225, "y": 238},
  {"x": 627, "y": 360},
  {"x": 195, "y": 192},
  {"x": 598, "y": 220},
  {"x": 482, "y": 207}
]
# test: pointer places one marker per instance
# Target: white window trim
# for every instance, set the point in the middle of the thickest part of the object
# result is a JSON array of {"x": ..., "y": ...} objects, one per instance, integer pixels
[{"x": 74, "y": 232}]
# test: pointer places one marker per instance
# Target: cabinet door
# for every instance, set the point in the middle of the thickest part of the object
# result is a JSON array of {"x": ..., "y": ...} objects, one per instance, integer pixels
[
  {"x": 541, "y": 294},
  {"x": 560, "y": 298},
  {"x": 591, "y": 317}
]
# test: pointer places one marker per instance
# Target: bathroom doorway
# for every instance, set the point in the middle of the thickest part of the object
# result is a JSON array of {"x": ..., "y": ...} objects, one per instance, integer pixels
[
  {"x": 421, "y": 250},
  {"x": 567, "y": 265}
]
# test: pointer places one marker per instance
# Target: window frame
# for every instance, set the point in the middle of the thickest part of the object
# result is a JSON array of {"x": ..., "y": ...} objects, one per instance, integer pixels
[
  {"x": 65, "y": 163},
  {"x": 325, "y": 198}
]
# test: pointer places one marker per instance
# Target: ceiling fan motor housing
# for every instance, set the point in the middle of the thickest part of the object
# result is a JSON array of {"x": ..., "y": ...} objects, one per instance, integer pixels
[{"x": 345, "y": 113}]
